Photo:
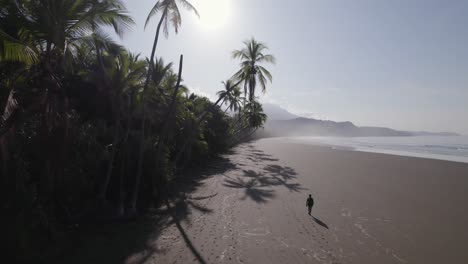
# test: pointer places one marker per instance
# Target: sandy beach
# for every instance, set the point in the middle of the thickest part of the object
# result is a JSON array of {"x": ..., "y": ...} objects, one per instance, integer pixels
[{"x": 249, "y": 207}]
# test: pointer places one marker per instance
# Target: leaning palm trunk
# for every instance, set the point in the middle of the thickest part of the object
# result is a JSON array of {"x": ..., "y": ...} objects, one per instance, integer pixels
[
  {"x": 229, "y": 107},
  {"x": 142, "y": 132},
  {"x": 245, "y": 136},
  {"x": 153, "y": 51},
  {"x": 238, "y": 122}
]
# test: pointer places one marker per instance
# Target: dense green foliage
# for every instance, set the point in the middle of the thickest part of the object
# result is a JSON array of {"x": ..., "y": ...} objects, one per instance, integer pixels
[{"x": 92, "y": 132}]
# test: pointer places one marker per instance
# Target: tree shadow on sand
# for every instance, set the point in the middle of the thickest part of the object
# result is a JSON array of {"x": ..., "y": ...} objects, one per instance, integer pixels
[
  {"x": 287, "y": 173},
  {"x": 116, "y": 242},
  {"x": 188, "y": 242},
  {"x": 282, "y": 175},
  {"x": 258, "y": 185},
  {"x": 135, "y": 242},
  {"x": 260, "y": 156},
  {"x": 251, "y": 188}
]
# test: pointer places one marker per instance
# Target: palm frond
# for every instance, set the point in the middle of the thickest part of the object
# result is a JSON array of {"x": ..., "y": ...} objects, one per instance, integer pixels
[
  {"x": 12, "y": 49},
  {"x": 265, "y": 72},
  {"x": 175, "y": 17},
  {"x": 156, "y": 8},
  {"x": 267, "y": 58},
  {"x": 189, "y": 7}
]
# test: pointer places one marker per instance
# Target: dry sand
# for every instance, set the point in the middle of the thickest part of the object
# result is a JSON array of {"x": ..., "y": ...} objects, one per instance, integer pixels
[{"x": 369, "y": 208}]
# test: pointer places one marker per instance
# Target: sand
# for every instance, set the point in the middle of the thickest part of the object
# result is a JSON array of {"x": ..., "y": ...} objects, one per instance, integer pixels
[{"x": 369, "y": 208}]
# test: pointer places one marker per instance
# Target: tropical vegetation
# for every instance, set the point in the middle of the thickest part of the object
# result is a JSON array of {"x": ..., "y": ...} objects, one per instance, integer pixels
[{"x": 91, "y": 132}]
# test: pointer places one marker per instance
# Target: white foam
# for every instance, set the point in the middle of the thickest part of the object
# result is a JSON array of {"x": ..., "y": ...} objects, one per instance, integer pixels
[{"x": 432, "y": 147}]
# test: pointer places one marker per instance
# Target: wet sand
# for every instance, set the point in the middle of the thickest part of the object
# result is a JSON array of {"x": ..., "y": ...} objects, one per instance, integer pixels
[{"x": 369, "y": 208}]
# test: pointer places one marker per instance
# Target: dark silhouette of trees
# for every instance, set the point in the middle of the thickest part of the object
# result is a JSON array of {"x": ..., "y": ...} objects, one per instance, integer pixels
[{"x": 90, "y": 132}]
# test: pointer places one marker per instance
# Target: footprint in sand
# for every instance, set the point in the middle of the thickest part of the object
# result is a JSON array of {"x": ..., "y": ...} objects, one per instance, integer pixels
[{"x": 346, "y": 212}]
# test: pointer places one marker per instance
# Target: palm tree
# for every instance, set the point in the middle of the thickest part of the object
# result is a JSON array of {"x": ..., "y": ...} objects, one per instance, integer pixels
[
  {"x": 251, "y": 72},
  {"x": 231, "y": 95},
  {"x": 223, "y": 94},
  {"x": 254, "y": 114},
  {"x": 46, "y": 35},
  {"x": 170, "y": 15},
  {"x": 251, "y": 119},
  {"x": 49, "y": 34},
  {"x": 234, "y": 100},
  {"x": 123, "y": 74}
]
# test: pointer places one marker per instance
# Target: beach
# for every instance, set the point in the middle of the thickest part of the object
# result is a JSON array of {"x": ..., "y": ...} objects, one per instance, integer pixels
[{"x": 250, "y": 207}]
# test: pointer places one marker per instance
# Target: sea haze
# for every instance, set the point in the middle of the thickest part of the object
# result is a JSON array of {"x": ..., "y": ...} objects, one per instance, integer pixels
[{"x": 452, "y": 148}]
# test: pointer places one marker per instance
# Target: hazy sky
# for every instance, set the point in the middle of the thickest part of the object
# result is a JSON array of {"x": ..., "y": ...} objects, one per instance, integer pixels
[{"x": 401, "y": 64}]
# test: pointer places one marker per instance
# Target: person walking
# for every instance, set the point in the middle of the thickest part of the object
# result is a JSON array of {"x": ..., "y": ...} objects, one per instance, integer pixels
[{"x": 310, "y": 203}]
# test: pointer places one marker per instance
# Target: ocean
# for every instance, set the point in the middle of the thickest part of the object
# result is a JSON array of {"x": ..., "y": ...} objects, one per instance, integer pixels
[{"x": 434, "y": 147}]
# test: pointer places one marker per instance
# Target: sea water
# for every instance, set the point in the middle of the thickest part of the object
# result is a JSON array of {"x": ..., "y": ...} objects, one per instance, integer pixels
[{"x": 453, "y": 148}]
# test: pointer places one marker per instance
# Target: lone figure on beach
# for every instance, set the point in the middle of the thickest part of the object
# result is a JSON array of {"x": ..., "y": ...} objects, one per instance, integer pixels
[{"x": 310, "y": 203}]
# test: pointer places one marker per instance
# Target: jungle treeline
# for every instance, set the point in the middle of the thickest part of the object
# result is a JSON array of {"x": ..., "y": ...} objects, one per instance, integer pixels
[{"x": 90, "y": 131}]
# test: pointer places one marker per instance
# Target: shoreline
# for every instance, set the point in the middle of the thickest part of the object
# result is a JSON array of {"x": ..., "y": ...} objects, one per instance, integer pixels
[{"x": 377, "y": 150}]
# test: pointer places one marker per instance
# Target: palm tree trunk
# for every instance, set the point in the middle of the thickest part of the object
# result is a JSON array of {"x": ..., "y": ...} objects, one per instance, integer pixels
[
  {"x": 187, "y": 143},
  {"x": 165, "y": 125},
  {"x": 228, "y": 108},
  {"x": 125, "y": 162},
  {"x": 123, "y": 167},
  {"x": 153, "y": 51},
  {"x": 141, "y": 150},
  {"x": 102, "y": 195},
  {"x": 123, "y": 170},
  {"x": 142, "y": 133},
  {"x": 238, "y": 120}
]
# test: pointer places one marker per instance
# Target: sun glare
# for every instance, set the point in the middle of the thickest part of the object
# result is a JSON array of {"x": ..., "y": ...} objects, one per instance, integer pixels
[{"x": 213, "y": 13}]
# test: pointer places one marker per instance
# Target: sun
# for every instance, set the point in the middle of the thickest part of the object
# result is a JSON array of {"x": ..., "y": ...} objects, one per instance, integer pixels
[{"x": 213, "y": 13}]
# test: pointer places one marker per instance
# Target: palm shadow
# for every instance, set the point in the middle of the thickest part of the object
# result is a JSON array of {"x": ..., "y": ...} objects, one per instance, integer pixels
[
  {"x": 184, "y": 235},
  {"x": 287, "y": 173},
  {"x": 260, "y": 156},
  {"x": 318, "y": 221},
  {"x": 281, "y": 175},
  {"x": 258, "y": 185},
  {"x": 182, "y": 209},
  {"x": 251, "y": 189},
  {"x": 116, "y": 241}
]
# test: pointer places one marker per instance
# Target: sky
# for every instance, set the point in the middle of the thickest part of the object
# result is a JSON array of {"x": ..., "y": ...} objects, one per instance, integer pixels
[{"x": 400, "y": 64}]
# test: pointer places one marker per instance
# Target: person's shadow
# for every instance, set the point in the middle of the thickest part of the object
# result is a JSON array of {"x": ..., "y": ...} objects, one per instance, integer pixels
[{"x": 318, "y": 221}]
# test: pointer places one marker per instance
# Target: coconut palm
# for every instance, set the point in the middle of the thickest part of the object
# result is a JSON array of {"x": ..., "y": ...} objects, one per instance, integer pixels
[
  {"x": 53, "y": 29},
  {"x": 249, "y": 121},
  {"x": 49, "y": 34},
  {"x": 255, "y": 115},
  {"x": 234, "y": 99},
  {"x": 230, "y": 95},
  {"x": 124, "y": 73},
  {"x": 46, "y": 36},
  {"x": 251, "y": 72},
  {"x": 170, "y": 17}
]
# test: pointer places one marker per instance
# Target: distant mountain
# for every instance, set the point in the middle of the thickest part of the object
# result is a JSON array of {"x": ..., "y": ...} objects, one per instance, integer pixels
[
  {"x": 424, "y": 133},
  {"x": 281, "y": 123},
  {"x": 313, "y": 127},
  {"x": 276, "y": 112}
]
